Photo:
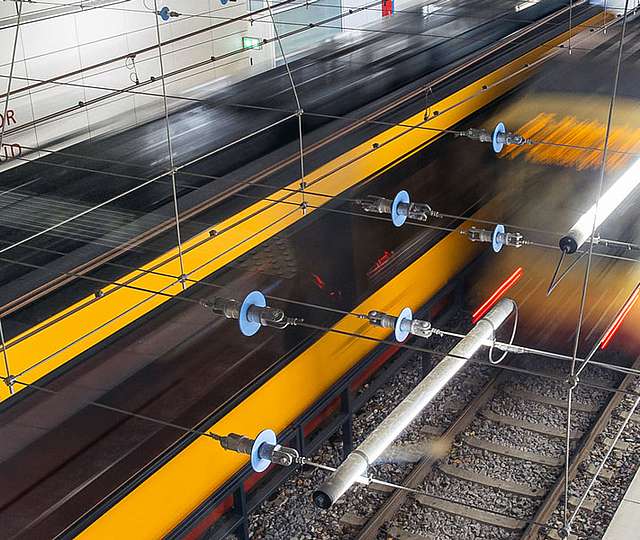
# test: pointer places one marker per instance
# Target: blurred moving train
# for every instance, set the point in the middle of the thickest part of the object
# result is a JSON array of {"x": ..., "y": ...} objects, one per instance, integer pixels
[{"x": 98, "y": 471}]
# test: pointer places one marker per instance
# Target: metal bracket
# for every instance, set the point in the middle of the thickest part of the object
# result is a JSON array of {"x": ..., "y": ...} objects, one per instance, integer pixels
[
  {"x": 498, "y": 139},
  {"x": 263, "y": 450},
  {"x": 498, "y": 238}
]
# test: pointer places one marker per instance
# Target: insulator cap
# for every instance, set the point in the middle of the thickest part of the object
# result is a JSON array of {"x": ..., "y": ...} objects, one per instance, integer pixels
[
  {"x": 401, "y": 331},
  {"x": 568, "y": 244},
  {"x": 498, "y": 137},
  {"x": 398, "y": 218},
  {"x": 248, "y": 326}
]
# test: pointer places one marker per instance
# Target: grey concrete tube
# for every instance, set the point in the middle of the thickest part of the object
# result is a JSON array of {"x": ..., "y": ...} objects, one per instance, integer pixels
[{"x": 355, "y": 465}]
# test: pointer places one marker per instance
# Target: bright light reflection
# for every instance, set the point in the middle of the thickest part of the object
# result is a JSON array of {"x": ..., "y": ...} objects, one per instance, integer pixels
[
  {"x": 614, "y": 196},
  {"x": 525, "y": 5}
]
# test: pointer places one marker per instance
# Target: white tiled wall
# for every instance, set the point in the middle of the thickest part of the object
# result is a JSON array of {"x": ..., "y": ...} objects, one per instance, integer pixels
[
  {"x": 68, "y": 42},
  {"x": 617, "y": 5},
  {"x": 50, "y": 48}
]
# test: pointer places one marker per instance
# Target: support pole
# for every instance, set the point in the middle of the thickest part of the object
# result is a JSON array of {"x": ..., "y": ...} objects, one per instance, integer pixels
[{"x": 355, "y": 466}]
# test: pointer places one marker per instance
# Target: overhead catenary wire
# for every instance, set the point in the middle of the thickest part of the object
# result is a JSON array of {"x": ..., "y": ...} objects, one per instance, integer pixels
[
  {"x": 115, "y": 287},
  {"x": 175, "y": 51},
  {"x": 227, "y": 18},
  {"x": 290, "y": 114},
  {"x": 124, "y": 412},
  {"x": 210, "y": 434},
  {"x": 272, "y": 202},
  {"x": 18, "y": 7},
  {"x": 195, "y": 99},
  {"x": 5, "y": 356},
  {"x": 118, "y": 286},
  {"x": 317, "y": 180},
  {"x": 144, "y": 182},
  {"x": 409, "y": 127},
  {"x": 151, "y": 47},
  {"x": 437, "y": 354},
  {"x": 294, "y": 5},
  {"x": 506, "y": 367},
  {"x": 117, "y": 92},
  {"x": 472, "y": 14},
  {"x": 5, "y": 351},
  {"x": 309, "y": 3},
  {"x": 345, "y": 312},
  {"x": 299, "y": 110},
  {"x": 627, "y": 245},
  {"x": 369, "y": 480},
  {"x": 172, "y": 171},
  {"x": 538, "y": 352},
  {"x": 585, "y": 285},
  {"x": 289, "y": 6},
  {"x": 5, "y": 121}
]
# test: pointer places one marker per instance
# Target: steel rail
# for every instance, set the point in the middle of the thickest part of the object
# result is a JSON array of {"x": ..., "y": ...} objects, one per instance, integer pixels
[
  {"x": 426, "y": 464},
  {"x": 585, "y": 445}
]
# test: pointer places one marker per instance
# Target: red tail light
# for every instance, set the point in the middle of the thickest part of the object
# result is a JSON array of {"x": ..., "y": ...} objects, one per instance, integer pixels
[
  {"x": 499, "y": 293},
  {"x": 620, "y": 317}
]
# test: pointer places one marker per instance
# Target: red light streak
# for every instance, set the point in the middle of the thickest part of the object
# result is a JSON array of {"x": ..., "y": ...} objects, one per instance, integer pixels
[
  {"x": 620, "y": 317},
  {"x": 499, "y": 293},
  {"x": 380, "y": 262},
  {"x": 318, "y": 281}
]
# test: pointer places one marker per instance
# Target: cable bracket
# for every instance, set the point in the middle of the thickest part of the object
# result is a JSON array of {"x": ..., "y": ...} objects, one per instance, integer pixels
[
  {"x": 400, "y": 208},
  {"x": 572, "y": 381},
  {"x": 403, "y": 325},
  {"x": 264, "y": 449},
  {"x": 498, "y": 138},
  {"x": 10, "y": 381},
  {"x": 251, "y": 314},
  {"x": 498, "y": 238}
]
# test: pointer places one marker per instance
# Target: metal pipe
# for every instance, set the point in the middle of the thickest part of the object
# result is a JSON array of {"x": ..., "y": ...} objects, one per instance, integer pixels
[{"x": 354, "y": 467}]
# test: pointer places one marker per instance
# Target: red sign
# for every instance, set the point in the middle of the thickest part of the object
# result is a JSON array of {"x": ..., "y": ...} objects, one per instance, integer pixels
[{"x": 387, "y": 8}]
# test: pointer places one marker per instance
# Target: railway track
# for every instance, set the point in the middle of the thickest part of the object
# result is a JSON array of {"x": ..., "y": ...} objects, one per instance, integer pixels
[
  {"x": 503, "y": 477},
  {"x": 487, "y": 456}
]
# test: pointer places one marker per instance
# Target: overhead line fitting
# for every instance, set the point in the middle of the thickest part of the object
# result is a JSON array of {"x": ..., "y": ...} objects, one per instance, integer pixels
[
  {"x": 166, "y": 13},
  {"x": 403, "y": 325},
  {"x": 498, "y": 138},
  {"x": 252, "y": 313},
  {"x": 264, "y": 450},
  {"x": 400, "y": 208},
  {"x": 498, "y": 238}
]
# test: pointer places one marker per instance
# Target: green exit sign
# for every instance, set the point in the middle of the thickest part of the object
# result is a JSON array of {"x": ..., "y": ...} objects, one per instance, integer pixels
[{"x": 251, "y": 43}]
